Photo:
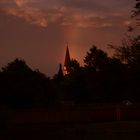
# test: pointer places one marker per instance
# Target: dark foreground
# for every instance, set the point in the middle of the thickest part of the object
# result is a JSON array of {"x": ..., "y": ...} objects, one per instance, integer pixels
[{"x": 129, "y": 130}]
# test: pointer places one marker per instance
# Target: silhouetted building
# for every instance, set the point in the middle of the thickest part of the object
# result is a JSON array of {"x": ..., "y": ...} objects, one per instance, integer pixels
[
  {"x": 67, "y": 61},
  {"x": 60, "y": 73}
]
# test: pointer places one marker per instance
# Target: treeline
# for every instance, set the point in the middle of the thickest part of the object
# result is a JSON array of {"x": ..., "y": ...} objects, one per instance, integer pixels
[
  {"x": 101, "y": 79},
  {"x": 104, "y": 78}
]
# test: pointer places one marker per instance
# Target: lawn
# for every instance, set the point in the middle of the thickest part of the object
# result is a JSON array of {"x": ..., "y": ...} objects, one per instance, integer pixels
[{"x": 127, "y": 130}]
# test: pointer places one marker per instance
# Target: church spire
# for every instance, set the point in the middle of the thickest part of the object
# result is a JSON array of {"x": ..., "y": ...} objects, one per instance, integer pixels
[{"x": 67, "y": 61}]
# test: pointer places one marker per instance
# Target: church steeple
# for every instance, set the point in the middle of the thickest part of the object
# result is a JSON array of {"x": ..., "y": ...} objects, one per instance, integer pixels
[{"x": 67, "y": 61}]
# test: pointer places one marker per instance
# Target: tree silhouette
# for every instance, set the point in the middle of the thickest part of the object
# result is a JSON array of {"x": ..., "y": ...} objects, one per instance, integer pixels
[
  {"x": 73, "y": 65},
  {"x": 129, "y": 51},
  {"x": 136, "y": 12},
  {"x": 21, "y": 86},
  {"x": 96, "y": 59},
  {"x": 17, "y": 68},
  {"x": 129, "y": 54}
]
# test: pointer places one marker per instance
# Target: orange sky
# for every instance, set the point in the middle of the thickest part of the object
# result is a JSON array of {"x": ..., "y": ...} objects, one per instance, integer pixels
[{"x": 38, "y": 30}]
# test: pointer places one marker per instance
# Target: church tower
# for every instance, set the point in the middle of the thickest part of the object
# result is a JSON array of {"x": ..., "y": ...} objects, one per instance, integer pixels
[{"x": 67, "y": 61}]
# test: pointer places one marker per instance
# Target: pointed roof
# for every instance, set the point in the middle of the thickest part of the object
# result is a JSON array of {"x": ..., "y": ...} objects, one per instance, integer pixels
[{"x": 67, "y": 57}]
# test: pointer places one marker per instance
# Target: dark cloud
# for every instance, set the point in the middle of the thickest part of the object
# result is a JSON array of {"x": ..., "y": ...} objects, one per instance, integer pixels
[
  {"x": 96, "y": 5},
  {"x": 82, "y": 13}
]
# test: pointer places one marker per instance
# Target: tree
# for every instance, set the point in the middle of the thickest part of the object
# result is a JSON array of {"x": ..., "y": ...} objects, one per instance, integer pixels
[
  {"x": 23, "y": 87},
  {"x": 129, "y": 54},
  {"x": 136, "y": 12},
  {"x": 73, "y": 65},
  {"x": 18, "y": 67},
  {"x": 129, "y": 51},
  {"x": 96, "y": 59}
]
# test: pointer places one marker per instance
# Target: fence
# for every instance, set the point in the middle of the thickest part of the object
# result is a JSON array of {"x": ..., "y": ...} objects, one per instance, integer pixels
[{"x": 96, "y": 114}]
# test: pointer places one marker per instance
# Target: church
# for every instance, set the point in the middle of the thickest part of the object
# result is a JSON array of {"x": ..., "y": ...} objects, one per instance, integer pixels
[{"x": 66, "y": 62}]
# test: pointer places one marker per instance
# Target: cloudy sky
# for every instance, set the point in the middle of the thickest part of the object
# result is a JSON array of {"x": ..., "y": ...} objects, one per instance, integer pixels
[{"x": 38, "y": 30}]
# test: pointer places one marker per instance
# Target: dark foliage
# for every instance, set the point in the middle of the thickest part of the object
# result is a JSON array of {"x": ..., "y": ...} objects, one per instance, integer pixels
[
  {"x": 96, "y": 59},
  {"x": 73, "y": 65},
  {"x": 136, "y": 13},
  {"x": 102, "y": 79},
  {"x": 21, "y": 87},
  {"x": 129, "y": 55}
]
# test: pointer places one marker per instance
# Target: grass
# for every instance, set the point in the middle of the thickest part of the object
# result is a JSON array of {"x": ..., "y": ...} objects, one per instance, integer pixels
[{"x": 129, "y": 130}]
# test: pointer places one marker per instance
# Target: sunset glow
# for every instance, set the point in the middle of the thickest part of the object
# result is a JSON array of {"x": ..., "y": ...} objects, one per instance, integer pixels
[{"x": 37, "y": 30}]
